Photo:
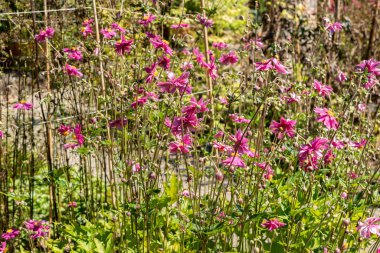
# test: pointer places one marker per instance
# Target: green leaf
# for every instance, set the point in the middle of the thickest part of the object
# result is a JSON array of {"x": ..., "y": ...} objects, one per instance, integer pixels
[
  {"x": 171, "y": 189},
  {"x": 99, "y": 246}
]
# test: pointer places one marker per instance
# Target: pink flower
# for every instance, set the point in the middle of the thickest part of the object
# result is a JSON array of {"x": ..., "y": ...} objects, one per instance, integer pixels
[
  {"x": 87, "y": 21},
  {"x": 359, "y": 145},
  {"x": 352, "y": 175},
  {"x": 108, "y": 33},
  {"x": 117, "y": 27},
  {"x": 234, "y": 160},
  {"x": 337, "y": 144},
  {"x": 181, "y": 84},
  {"x": 219, "y": 45},
  {"x": 118, "y": 123},
  {"x": 222, "y": 147},
  {"x": 335, "y": 27},
  {"x": 139, "y": 102},
  {"x": 344, "y": 195},
  {"x": 370, "y": 82},
  {"x": 186, "y": 66},
  {"x": 151, "y": 72},
  {"x": 123, "y": 46},
  {"x": 371, "y": 66},
  {"x": 183, "y": 124},
  {"x": 268, "y": 171},
  {"x": 37, "y": 228},
  {"x": 78, "y": 134},
  {"x": 1, "y": 135},
  {"x": 147, "y": 19},
  {"x": 136, "y": 167},
  {"x": 64, "y": 130},
  {"x": 361, "y": 107},
  {"x": 272, "y": 224},
  {"x": 238, "y": 119},
  {"x": 323, "y": 90},
  {"x": 45, "y": 34},
  {"x": 73, "y": 53},
  {"x": 240, "y": 143},
  {"x": 158, "y": 43},
  {"x": 211, "y": 67},
  {"x": 182, "y": 144},
  {"x": 164, "y": 62},
  {"x": 284, "y": 127},
  {"x": 72, "y": 204},
  {"x": 272, "y": 64},
  {"x": 10, "y": 234},
  {"x": 72, "y": 71},
  {"x": 292, "y": 98},
  {"x": 23, "y": 105},
  {"x": 368, "y": 227},
  {"x": 86, "y": 30},
  {"x": 195, "y": 106},
  {"x": 341, "y": 77},
  {"x": 230, "y": 58},
  {"x": 178, "y": 26},
  {"x": 310, "y": 154},
  {"x": 329, "y": 157},
  {"x": 3, "y": 247},
  {"x": 205, "y": 21},
  {"x": 254, "y": 44},
  {"x": 326, "y": 116}
]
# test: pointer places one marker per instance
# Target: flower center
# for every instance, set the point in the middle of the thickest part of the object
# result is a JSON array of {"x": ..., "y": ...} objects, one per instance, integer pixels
[
  {"x": 330, "y": 113},
  {"x": 9, "y": 231},
  {"x": 23, "y": 102}
]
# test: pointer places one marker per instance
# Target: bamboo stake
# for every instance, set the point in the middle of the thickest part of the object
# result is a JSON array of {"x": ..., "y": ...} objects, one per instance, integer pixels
[
  {"x": 112, "y": 179},
  {"x": 208, "y": 79}
]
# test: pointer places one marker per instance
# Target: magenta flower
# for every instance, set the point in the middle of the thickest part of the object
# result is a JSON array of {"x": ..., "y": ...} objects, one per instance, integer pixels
[
  {"x": 1, "y": 135},
  {"x": 284, "y": 127},
  {"x": 326, "y": 116},
  {"x": 341, "y": 77},
  {"x": 182, "y": 144},
  {"x": 272, "y": 64},
  {"x": 147, "y": 19},
  {"x": 178, "y": 26},
  {"x": 73, "y": 53},
  {"x": 240, "y": 143},
  {"x": 118, "y": 123},
  {"x": 310, "y": 154},
  {"x": 337, "y": 144},
  {"x": 272, "y": 224},
  {"x": 123, "y": 46},
  {"x": 371, "y": 66},
  {"x": 268, "y": 171},
  {"x": 117, "y": 27},
  {"x": 323, "y": 90},
  {"x": 45, "y": 34},
  {"x": 151, "y": 72},
  {"x": 219, "y": 45},
  {"x": 229, "y": 58},
  {"x": 37, "y": 229},
  {"x": 211, "y": 67},
  {"x": 183, "y": 124},
  {"x": 108, "y": 33},
  {"x": 292, "y": 98},
  {"x": 72, "y": 71},
  {"x": 139, "y": 102},
  {"x": 64, "y": 130},
  {"x": 370, "y": 82},
  {"x": 234, "y": 160},
  {"x": 10, "y": 234},
  {"x": 195, "y": 106},
  {"x": 23, "y": 105},
  {"x": 181, "y": 84},
  {"x": 358, "y": 144},
  {"x": 238, "y": 119},
  {"x": 368, "y": 227},
  {"x": 186, "y": 66},
  {"x": 164, "y": 62},
  {"x": 329, "y": 157},
  {"x": 87, "y": 21},
  {"x": 254, "y": 44},
  {"x": 72, "y": 204},
  {"x": 222, "y": 147},
  {"x": 205, "y": 21},
  {"x": 78, "y": 134},
  {"x": 3, "y": 247},
  {"x": 86, "y": 30},
  {"x": 158, "y": 43}
]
